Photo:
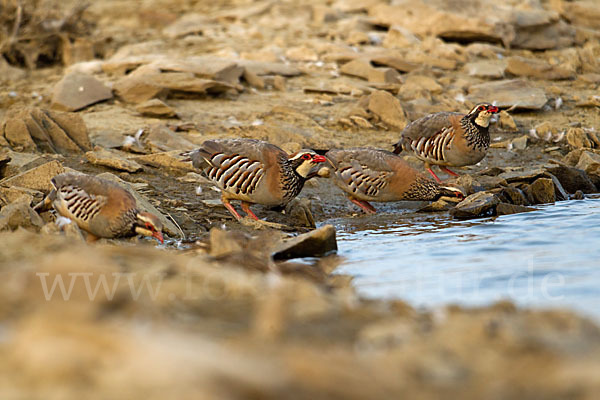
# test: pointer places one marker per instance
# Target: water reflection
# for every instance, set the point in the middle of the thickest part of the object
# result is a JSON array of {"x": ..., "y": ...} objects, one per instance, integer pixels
[{"x": 546, "y": 258}]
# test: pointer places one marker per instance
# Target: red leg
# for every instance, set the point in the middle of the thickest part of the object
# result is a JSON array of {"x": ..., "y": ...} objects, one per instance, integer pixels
[
  {"x": 445, "y": 169},
  {"x": 247, "y": 210},
  {"x": 434, "y": 175},
  {"x": 228, "y": 205},
  {"x": 365, "y": 206}
]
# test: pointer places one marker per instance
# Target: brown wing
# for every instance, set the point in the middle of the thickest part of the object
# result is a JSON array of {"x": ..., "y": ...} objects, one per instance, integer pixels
[
  {"x": 373, "y": 158},
  {"x": 236, "y": 165},
  {"x": 362, "y": 171},
  {"x": 430, "y": 125},
  {"x": 432, "y": 136},
  {"x": 84, "y": 198}
]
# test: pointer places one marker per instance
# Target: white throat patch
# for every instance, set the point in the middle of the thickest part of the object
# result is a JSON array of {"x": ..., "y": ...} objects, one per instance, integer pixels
[
  {"x": 483, "y": 119},
  {"x": 304, "y": 169}
]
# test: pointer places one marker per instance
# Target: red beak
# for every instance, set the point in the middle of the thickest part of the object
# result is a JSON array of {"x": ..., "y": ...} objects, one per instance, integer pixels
[
  {"x": 159, "y": 236},
  {"x": 318, "y": 159},
  {"x": 493, "y": 109}
]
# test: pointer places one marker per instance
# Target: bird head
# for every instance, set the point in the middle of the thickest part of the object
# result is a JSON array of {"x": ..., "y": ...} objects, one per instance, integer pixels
[
  {"x": 304, "y": 161},
  {"x": 452, "y": 191},
  {"x": 148, "y": 224},
  {"x": 481, "y": 114}
]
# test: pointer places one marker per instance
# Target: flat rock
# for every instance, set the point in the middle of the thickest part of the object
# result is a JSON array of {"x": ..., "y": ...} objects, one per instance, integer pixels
[
  {"x": 19, "y": 214},
  {"x": 399, "y": 37},
  {"x": 438, "y": 19},
  {"x": 387, "y": 108},
  {"x": 160, "y": 139},
  {"x": 513, "y": 195},
  {"x": 579, "y": 138},
  {"x": 383, "y": 75},
  {"x": 437, "y": 206},
  {"x": 76, "y": 91},
  {"x": 520, "y": 143},
  {"x": 301, "y": 53},
  {"x": 155, "y": 108},
  {"x": 508, "y": 93},
  {"x": 541, "y": 191},
  {"x": 582, "y": 13},
  {"x": 573, "y": 179},
  {"x": 397, "y": 62},
  {"x": 316, "y": 243},
  {"x": 531, "y": 176},
  {"x": 506, "y": 121},
  {"x": 424, "y": 82},
  {"x": 490, "y": 69},
  {"x": 480, "y": 204},
  {"x": 473, "y": 21},
  {"x": 112, "y": 159},
  {"x": 120, "y": 66},
  {"x": 548, "y": 33},
  {"x": 507, "y": 209},
  {"x": 535, "y": 68},
  {"x": 189, "y": 24},
  {"x": 37, "y": 178},
  {"x": 469, "y": 184},
  {"x": 143, "y": 204},
  {"x": 214, "y": 68},
  {"x": 261, "y": 68},
  {"x": 32, "y": 129},
  {"x": 589, "y": 162},
  {"x": 13, "y": 194},
  {"x": 360, "y": 68},
  {"x": 590, "y": 101},
  {"x": 148, "y": 82},
  {"x": 168, "y": 160},
  {"x": 21, "y": 162}
]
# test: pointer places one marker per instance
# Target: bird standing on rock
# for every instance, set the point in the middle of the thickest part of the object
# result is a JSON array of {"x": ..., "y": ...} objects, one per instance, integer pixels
[
  {"x": 449, "y": 139},
  {"x": 254, "y": 172},
  {"x": 100, "y": 207},
  {"x": 377, "y": 175}
]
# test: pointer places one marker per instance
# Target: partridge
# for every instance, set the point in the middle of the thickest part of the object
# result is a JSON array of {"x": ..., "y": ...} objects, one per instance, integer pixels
[
  {"x": 449, "y": 139},
  {"x": 254, "y": 172},
  {"x": 367, "y": 174},
  {"x": 101, "y": 208}
]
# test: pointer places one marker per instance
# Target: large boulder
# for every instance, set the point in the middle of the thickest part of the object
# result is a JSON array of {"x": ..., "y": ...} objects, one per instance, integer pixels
[{"x": 32, "y": 129}]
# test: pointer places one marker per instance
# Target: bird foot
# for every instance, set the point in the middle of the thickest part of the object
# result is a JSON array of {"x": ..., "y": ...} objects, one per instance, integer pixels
[
  {"x": 231, "y": 209},
  {"x": 365, "y": 206},
  {"x": 248, "y": 211},
  {"x": 448, "y": 170},
  {"x": 434, "y": 175}
]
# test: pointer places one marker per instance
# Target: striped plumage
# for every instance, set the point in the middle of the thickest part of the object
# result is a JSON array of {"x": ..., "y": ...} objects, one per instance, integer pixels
[
  {"x": 253, "y": 171},
  {"x": 100, "y": 207},
  {"x": 367, "y": 174},
  {"x": 449, "y": 139}
]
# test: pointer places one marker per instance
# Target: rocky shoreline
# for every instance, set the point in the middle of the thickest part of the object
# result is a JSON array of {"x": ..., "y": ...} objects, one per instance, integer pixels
[{"x": 224, "y": 310}]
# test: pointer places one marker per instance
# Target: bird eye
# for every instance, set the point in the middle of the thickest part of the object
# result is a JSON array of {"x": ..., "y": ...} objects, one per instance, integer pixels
[
  {"x": 306, "y": 157},
  {"x": 149, "y": 226},
  {"x": 481, "y": 108}
]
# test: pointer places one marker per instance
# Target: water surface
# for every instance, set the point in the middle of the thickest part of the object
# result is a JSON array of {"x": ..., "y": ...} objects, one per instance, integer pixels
[{"x": 546, "y": 258}]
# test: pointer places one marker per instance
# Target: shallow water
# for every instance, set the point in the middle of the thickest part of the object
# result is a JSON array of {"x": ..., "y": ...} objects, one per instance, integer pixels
[{"x": 547, "y": 258}]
